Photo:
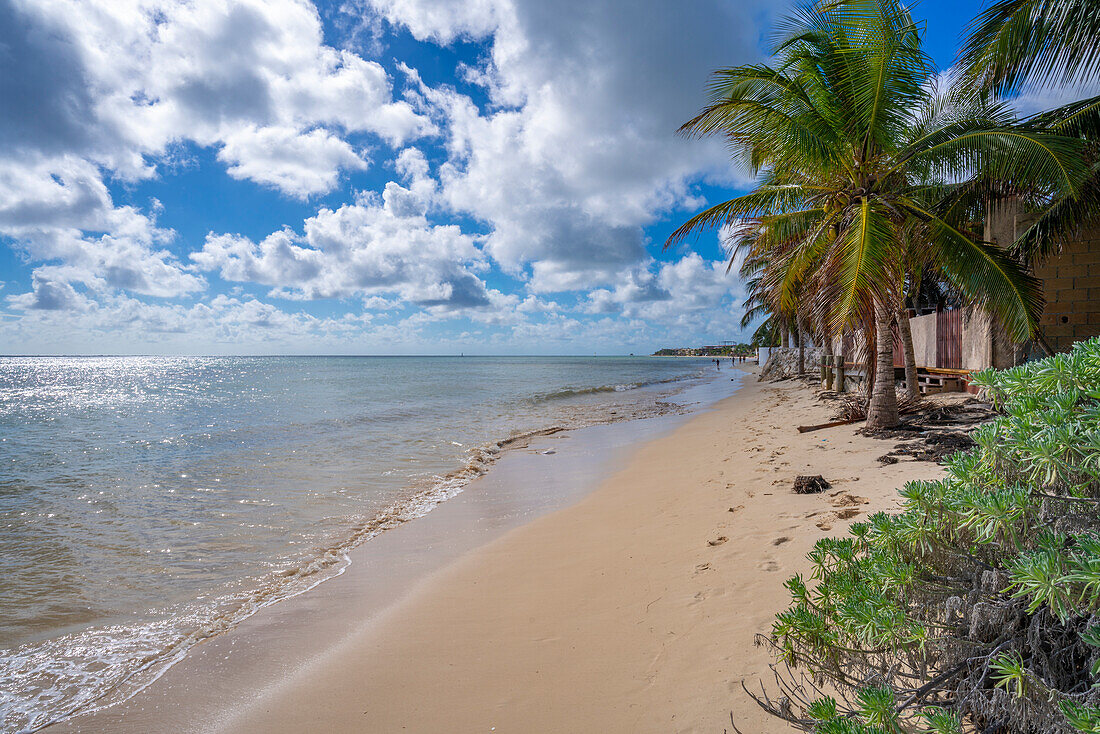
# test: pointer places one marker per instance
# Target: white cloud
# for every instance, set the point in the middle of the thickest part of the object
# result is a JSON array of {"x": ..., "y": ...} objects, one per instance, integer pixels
[
  {"x": 573, "y": 157},
  {"x": 62, "y": 212},
  {"x": 299, "y": 164},
  {"x": 92, "y": 90},
  {"x": 50, "y": 295},
  {"x": 675, "y": 292},
  {"x": 372, "y": 248},
  {"x": 1039, "y": 99},
  {"x": 580, "y": 152},
  {"x": 118, "y": 83},
  {"x": 442, "y": 20}
]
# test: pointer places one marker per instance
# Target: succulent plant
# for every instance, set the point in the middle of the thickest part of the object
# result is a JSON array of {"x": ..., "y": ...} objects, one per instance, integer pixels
[{"x": 979, "y": 600}]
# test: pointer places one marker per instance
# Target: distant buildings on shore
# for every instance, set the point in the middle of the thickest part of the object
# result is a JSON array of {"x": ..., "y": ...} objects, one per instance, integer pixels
[{"x": 725, "y": 349}]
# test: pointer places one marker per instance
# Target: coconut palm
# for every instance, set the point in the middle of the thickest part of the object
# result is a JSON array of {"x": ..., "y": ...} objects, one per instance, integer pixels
[
  {"x": 1017, "y": 44},
  {"x": 852, "y": 145}
]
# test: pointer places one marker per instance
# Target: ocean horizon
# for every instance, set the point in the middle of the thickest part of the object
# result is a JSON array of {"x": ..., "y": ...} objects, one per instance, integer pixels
[{"x": 149, "y": 502}]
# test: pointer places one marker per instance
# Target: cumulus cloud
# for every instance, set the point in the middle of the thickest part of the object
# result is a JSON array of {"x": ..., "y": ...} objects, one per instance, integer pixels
[
  {"x": 299, "y": 164},
  {"x": 118, "y": 82},
  {"x": 675, "y": 292},
  {"x": 547, "y": 188},
  {"x": 97, "y": 90},
  {"x": 50, "y": 295},
  {"x": 375, "y": 247},
  {"x": 61, "y": 211},
  {"x": 579, "y": 152}
]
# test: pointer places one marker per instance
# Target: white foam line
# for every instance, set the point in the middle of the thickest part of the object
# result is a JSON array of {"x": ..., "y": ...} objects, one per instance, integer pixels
[{"x": 414, "y": 506}]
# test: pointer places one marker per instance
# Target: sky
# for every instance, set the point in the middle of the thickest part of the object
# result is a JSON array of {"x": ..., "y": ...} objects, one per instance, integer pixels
[{"x": 369, "y": 176}]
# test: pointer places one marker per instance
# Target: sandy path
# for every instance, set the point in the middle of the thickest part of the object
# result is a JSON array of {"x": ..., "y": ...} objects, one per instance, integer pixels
[{"x": 631, "y": 611}]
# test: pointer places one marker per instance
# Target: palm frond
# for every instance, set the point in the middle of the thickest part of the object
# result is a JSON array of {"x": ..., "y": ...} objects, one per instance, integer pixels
[{"x": 1015, "y": 42}]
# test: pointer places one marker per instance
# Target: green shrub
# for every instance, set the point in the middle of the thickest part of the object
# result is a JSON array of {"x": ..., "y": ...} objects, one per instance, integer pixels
[{"x": 980, "y": 600}]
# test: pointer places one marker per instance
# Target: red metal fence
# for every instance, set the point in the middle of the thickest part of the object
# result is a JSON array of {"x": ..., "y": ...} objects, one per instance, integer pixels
[{"x": 949, "y": 339}]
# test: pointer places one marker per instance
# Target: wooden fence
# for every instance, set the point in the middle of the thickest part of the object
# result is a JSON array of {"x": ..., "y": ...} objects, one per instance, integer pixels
[{"x": 949, "y": 339}]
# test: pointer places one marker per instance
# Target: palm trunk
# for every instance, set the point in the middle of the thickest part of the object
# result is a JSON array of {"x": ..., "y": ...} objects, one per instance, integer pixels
[
  {"x": 785, "y": 336},
  {"x": 912, "y": 387},
  {"x": 1043, "y": 343},
  {"x": 882, "y": 408},
  {"x": 830, "y": 365},
  {"x": 801, "y": 351}
]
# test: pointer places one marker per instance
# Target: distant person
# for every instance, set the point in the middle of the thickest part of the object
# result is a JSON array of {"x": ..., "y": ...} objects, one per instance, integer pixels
[{"x": 717, "y": 365}]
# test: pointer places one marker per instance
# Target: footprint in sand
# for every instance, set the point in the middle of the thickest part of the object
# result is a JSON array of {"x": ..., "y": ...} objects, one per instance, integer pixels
[
  {"x": 769, "y": 566},
  {"x": 848, "y": 500},
  {"x": 781, "y": 540},
  {"x": 718, "y": 541},
  {"x": 847, "y": 514},
  {"x": 702, "y": 567},
  {"x": 824, "y": 526},
  {"x": 736, "y": 509}
]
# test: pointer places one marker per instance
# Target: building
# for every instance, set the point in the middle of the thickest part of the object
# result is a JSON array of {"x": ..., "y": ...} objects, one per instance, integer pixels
[{"x": 968, "y": 339}]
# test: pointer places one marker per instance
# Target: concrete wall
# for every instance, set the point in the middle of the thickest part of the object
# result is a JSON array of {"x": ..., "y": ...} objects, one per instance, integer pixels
[
  {"x": 977, "y": 339},
  {"x": 924, "y": 339},
  {"x": 1071, "y": 284}
]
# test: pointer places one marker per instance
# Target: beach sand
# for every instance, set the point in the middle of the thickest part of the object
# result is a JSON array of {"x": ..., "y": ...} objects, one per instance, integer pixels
[{"x": 632, "y": 610}]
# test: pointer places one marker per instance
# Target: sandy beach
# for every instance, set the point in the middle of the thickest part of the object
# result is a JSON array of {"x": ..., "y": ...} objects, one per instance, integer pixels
[{"x": 632, "y": 610}]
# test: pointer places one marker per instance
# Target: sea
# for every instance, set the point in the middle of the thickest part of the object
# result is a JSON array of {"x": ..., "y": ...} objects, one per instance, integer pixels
[{"x": 148, "y": 503}]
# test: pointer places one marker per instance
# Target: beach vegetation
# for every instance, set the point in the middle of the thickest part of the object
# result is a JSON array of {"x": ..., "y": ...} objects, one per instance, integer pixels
[{"x": 978, "y": 601}]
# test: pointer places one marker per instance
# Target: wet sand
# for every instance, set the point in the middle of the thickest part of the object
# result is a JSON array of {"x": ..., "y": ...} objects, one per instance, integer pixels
[{"x": 631, "y": 610}]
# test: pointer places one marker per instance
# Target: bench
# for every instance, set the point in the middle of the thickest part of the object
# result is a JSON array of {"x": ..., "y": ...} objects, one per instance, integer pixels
[{"x": 941, "y": 379}]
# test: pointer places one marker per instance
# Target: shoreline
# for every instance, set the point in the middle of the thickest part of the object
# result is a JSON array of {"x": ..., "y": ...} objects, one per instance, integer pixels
[
  {"x": 632, "y": 608},
  {"x": 390, "y": 561}
]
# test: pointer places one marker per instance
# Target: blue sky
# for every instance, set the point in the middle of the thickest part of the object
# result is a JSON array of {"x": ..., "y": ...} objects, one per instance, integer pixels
[{"x": 368, "y": 176}]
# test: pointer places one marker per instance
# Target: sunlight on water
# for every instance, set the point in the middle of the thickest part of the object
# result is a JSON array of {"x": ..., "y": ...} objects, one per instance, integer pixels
[{"x": 146, "y": 503}]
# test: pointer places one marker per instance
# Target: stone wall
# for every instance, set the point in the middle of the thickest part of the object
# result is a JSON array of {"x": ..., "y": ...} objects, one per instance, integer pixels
[
  {"x": 782, "y": 364},
  {"x": 1071, "y": 285}
]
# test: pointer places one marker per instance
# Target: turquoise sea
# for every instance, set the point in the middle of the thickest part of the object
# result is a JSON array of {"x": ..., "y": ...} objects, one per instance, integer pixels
[{"x": 149, "y": 502}]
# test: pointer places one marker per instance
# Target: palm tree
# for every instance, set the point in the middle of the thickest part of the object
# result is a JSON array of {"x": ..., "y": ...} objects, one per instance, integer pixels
[
  {"x": 1016, "y": 44},
  {"x": 852, "y": 145}
]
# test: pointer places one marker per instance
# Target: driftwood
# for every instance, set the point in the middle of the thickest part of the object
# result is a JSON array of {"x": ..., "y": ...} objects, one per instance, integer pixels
[{"x": 830, "y": 424}]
